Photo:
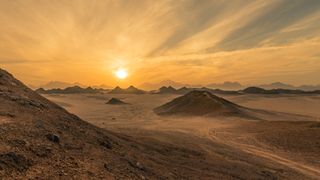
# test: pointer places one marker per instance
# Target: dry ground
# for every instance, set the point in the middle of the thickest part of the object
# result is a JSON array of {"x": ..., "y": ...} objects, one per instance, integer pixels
[{"x": 285, "y": 141}]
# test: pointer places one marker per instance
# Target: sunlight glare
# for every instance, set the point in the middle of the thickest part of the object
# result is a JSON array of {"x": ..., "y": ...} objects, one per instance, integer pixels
[{"x": 121, "y": 73}]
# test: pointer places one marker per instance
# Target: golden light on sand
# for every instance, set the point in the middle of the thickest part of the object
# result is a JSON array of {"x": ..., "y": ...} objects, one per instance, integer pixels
[{"x": 121, "y": 73}]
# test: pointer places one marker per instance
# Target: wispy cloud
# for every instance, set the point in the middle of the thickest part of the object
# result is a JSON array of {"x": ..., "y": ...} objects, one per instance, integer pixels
[
  {"x": 271, "y": 21},
  {"x": 170, "y": 39}
]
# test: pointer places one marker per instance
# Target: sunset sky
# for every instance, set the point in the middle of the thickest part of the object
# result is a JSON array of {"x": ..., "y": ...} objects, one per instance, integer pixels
[{"x": 189, "y": 41}]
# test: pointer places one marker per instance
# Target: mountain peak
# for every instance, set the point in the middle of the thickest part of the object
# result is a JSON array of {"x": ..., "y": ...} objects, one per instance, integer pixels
[{"x": 130, "y": 90}]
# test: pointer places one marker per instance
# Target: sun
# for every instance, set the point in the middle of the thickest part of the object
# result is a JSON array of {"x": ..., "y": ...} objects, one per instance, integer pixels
[{"x": 121, "y": 73}]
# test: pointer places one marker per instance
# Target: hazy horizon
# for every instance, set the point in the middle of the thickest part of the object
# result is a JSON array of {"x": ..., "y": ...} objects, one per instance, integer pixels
[
  {"x": 155, "y": 85},
  {"x": 191, "y": 42}
]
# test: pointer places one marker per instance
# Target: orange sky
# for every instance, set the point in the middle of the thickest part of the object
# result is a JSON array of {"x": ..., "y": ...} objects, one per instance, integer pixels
[{"x": 189, "y": 41}]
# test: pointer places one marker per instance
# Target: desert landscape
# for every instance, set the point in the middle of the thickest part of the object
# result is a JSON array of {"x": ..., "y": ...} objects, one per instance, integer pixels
[
  {"x": 168, "y": 89},
  {"x": 130, "y": 140},
  {"x": 279, "y": 136}
]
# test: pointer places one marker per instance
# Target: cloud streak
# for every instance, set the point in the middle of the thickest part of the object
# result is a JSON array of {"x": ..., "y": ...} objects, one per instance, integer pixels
[{"x": 169, "y": 39}]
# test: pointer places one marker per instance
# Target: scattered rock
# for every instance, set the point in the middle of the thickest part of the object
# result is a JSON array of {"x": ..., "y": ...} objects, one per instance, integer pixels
[
  {"x": 267, "y": 174},
  {"x": 53, "y": 138},
  {"x": 22, "y": 100},
  {"x": 105, "y": 143},
  {"x": 17, "y": 143},
  {"x": 14, "y": 161},
  {"x": 142, "y": 177},
  {"x": 42, "y": 151},
  {"x": 136, "y": 165},
  {"x": 6, "y": 114},
  {"x": 139, "y": 165}
]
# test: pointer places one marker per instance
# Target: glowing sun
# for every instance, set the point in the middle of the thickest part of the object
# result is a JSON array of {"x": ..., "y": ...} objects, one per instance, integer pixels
[{"x": 121, "y": 73}]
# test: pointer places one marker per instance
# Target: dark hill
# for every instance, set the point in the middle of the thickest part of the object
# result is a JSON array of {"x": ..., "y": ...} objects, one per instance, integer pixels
[
  {"x": 41, "y": 91},
  {"x": 129, "y": 90},
  {"x": 255, "y": 90},
  {"x": 115, "y": 101},
  {"x": 199, "y": 103},
  {"x": 258, "y": 90},
  {"x": 70, "y": 90},
  {"x": 184, "y": 90},
  {"x": 167, "y": 90}
]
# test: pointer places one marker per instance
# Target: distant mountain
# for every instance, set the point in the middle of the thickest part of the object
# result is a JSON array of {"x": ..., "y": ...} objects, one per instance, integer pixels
[
  {"x": 41, "y": 91},
  {"x": 70, "y": 90},
  {"x": 309, "y": 87},
  {"x": 184, "y": 90},
  {"x": 129, "y": 90},
  {"x": 59, "y": 85},
  {"x": 258, "y": 90},
  {"x": 167, "y": 90},
  {"x": 226, "y": 86},
  {"x": 63, "y": 85},
  {"x": 174, "y": 84},
  {"x": 277, "y": 85},
  {"x": 254, "y": 90},
  {"x": 280, "y": 85},
  {"x": 249, "y": 90},
  {"x": 172, "y": 90}
]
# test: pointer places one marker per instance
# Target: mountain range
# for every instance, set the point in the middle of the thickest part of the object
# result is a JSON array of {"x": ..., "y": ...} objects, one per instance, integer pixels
[
  {"x": 168, "y": 82},
  {"x": 63, "y": 85},
  {"x": 280, "y": 85},
  {"x": 172, "y": 90},
  {"x": 228, "y": 85},
  {"x": 70, "y": 90}
]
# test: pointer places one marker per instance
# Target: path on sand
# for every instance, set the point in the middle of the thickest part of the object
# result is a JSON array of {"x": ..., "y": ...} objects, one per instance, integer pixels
[{"x": 305, "y": 169}]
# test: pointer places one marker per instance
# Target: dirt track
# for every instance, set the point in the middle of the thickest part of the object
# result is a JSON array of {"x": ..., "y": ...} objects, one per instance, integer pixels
[{"x": 311, "y": 171}]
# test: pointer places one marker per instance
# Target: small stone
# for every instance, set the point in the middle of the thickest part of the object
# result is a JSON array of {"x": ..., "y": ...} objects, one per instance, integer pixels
[
  {"x": 53, "y": 138},
  {"x": 139, "y": 165}
]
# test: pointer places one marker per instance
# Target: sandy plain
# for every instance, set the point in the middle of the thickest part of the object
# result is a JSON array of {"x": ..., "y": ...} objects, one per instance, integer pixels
[{"x": 287, "y": 136}]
